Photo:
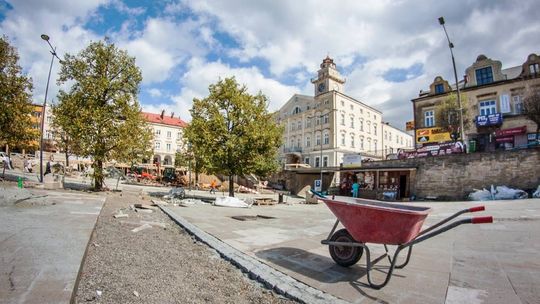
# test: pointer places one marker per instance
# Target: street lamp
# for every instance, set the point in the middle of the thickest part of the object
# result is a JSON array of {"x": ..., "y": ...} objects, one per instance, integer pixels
[
  {"x": 451, "y": 46},
  {"x": 53, "y": 52}
]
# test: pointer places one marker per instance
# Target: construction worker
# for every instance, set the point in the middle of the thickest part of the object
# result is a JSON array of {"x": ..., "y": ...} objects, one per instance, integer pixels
[{"x": 213, "y": 186}]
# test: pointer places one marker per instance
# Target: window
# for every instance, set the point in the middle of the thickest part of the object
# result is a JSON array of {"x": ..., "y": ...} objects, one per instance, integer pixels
[
  {"x": 325, "y": 161},
  {"x": 179, "y": 135},
  {"x": 168, "y": 147},
  {"x": 518, "y": 104},
  {"x": 439, "y": 88},
  {"x": 317, "y": 162},
  {"x": 375, "y": 145},
  {"x": 326, "y": 139},
  {"x": 385, "y": 135},
  {"x": 342, "y": 103},
  {"x": 534, "y": 69},
  {"x": 326, "y": 102},
  {"x": 308, "y": 123},
  {"x": 299, "y": 125},
  {"x": 369, "y": 144},
  {"x": 352, "y": 122},
  {"x": 157, "y": 145},
  {"x": 343, "y": 139},
  {"x": 292, "y": 143},
  {"x": 362, "y": 142},
  {"x": 317, "y": 120},
  {"x": 374, "y": 129},
  {"x": 158, "y": 132},
  {"x": 484, "y": 76},
  {"x": 429, "y": 119},
  {"x": 352, "y": 107},
  {"x": 397, "y": 139},
  {"x": 390, "y": 136},
  {"x": 487, "y": 107},
  {"x": 352, "y": 140},
  {"x": 326, "y": 118},
  {"x": 298, "y": 142},
  {"x": 374, "y": 117},
  {"x": 308, "y": 141},
  {"x": 318, "y": 139},
  {"x": 292, "y": 126},
  {"x": 169, "y": 134},
  {"x": 369, "y": 126},
  {"x": 342, "y": 119},
  {"x": 306, "y": 160},
  {"x": 401, "y": 139},
  {"x": 361, "y": 111},
  {"x": 361, "y": 124},
  {"x": 297, "y": 110},
  {"x": 49, "y": 119}
]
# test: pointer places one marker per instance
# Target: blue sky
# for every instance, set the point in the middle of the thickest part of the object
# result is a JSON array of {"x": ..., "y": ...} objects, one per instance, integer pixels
[{"x": 387, "y": 50}]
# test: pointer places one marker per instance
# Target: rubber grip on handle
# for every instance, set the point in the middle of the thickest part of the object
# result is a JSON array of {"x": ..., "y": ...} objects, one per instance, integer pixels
[
  {"x": 482, "y": 220},
  {"x": 477, "y": 208}
]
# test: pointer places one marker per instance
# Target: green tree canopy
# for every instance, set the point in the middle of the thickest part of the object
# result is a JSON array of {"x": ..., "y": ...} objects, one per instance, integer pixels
[
  {"x": 15, "y": 100},
  {"x": 233, "y": 133},
  {"x": 447, "y": 114},
  {"x": 100, "y": 112},
  {"x": 531, "y": 106}
]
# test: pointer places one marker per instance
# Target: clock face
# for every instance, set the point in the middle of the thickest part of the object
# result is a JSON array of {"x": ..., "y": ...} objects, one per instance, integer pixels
[{"x": 321, "y": 87}]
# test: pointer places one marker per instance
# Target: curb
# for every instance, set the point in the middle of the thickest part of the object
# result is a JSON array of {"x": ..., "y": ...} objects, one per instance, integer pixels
[{"x": 270, "y": 277}]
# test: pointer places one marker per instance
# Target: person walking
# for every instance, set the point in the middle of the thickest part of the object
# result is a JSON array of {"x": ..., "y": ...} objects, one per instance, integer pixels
[
  {"x": 213, "y": 187},
  {"x": 355, "y": 187}
]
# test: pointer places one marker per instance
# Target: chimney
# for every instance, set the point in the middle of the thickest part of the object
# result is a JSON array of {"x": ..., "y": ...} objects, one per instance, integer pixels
[
  {"x": 172, "y": 114},
  {"x": 162, "y": 114}
]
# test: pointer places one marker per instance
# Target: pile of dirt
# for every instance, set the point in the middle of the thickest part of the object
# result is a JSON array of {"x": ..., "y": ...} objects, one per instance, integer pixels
[{"x": 144, "y": 257}]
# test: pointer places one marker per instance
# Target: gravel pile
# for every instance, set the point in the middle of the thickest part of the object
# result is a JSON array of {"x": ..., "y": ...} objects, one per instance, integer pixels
[{"x": 160, "y": 263}]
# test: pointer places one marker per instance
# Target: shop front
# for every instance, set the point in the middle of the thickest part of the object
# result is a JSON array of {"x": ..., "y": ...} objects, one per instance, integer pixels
[
  {"x": 378, "y": 183},
  {"x": 511, "y": 138}
]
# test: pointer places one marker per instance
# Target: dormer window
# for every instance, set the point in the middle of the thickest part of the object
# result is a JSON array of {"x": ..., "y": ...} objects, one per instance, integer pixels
[
  {"x": 439, "y": 88},
  {"x": 484, "y": 76},
  {"x": 296, "y": 110},
  {"x": 534, "y": 69}
]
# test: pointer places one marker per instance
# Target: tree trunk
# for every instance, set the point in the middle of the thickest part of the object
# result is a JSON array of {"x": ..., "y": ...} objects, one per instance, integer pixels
[
  {"x": 98, "y": 175},
  {"x": 67, "y": 162},
  {"x": 231, "y": 186}
]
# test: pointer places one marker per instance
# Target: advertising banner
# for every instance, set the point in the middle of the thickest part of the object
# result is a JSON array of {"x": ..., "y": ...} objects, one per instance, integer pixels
[
  {"x": 432, "y": 135},
  {"x": 352, "y": 160},
  {"x": 489, "y": 120},
  {"x": 433, "y": 150},
  {"x": 512, "y": 131}
]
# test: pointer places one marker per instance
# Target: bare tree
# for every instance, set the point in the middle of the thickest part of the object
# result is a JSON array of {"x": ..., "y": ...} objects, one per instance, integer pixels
[{"x": 531, "y": 106}]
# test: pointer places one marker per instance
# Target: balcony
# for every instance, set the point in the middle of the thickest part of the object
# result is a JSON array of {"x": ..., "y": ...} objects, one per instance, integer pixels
[{"x": 293, "y": 150}]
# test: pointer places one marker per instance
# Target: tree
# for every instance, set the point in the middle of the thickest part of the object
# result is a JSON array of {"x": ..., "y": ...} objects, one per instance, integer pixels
[
  {"x": 233, "y": 133},
  {"x": 15, "y": 100},
  {"x": 100, "y": 113},
  {"x": 531, "y": 106},
  {"x": 447, "y": 114}
]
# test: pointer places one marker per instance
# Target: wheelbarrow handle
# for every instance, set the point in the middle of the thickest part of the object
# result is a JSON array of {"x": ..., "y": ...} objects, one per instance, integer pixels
[
  {"x": 477, "y": 208},
  {"x": 482, "y": 220}
]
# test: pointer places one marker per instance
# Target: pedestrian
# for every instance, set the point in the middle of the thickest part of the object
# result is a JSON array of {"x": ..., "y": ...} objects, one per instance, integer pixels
[
  {"x": 355, "y": 189},
  {"x": 48, "y": 168},
  {"x": 25, "y": 165},
  {"x": 213, "y": 187},
  {"x": 29, "y": 167}
]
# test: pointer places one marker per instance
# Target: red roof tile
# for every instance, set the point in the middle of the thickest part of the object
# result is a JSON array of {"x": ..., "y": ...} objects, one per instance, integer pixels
[{"x": 167, "y": 120}]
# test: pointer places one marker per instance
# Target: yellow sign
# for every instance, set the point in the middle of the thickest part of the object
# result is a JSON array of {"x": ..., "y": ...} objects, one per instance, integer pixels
[
  {"x": 432, "y": 135},
  {"x": 409, "y": 125}
]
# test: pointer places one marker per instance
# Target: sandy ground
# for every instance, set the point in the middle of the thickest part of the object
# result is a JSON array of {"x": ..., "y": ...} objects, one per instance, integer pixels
[{"x": 158, "y": 265}]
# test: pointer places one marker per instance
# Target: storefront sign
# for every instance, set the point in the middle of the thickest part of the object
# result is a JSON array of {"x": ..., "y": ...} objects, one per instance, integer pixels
[
  {"x": 489, "y": 120},
  {"x": 352, "y": 160},
  {"x": 432, "y": 135},
  {"x": 505, "y": 139},
  {"x": 409, "y": 125},
  {"x": 505, "y": 103},
  {"x": 533, "y": 136},
  {"x": 433, "y": 150},
  {"x": 512, "y": 131}
]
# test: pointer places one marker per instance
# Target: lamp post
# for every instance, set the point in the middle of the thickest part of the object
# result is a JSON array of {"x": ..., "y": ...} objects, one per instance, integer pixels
[
  {"x": 53, "y": 52},
  {"x": 451, "y": 46}
]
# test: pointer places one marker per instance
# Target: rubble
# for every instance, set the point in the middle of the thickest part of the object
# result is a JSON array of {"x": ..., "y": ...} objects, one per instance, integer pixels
[
  {"x": 497, "y": 193},
  {"x": 234, "y": 202},
  {"x": 140, "y": 228}
]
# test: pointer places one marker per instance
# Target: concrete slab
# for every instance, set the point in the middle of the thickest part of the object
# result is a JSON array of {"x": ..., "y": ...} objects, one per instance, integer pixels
[
  {"x": 42, "y": 243},
  {"x": 496, "y": 263}
]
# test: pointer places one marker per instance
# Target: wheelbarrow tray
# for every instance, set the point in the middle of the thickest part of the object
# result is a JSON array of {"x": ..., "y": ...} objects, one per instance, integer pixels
[{"x": 370, "y": 221}]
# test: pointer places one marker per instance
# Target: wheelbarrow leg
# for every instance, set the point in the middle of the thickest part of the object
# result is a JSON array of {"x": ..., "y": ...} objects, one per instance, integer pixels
[{"x": 390, "y": 270}]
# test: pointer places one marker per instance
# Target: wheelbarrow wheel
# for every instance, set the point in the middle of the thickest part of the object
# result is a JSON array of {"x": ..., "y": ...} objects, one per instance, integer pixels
[{"x": 344, "y": 255}]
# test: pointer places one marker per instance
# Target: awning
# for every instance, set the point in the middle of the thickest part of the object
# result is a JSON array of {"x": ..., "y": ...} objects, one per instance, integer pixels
[
  {"x": 505, "y": 139},
  {"x": 511, "y": 131}
]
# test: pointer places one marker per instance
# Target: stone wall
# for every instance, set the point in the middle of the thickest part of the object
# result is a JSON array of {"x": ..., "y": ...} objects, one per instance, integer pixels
[{"x": 455, "y": 176}]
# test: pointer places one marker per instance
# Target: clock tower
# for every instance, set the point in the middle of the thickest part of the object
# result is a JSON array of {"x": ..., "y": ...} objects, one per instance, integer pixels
[{"x": 328, "y": 78}]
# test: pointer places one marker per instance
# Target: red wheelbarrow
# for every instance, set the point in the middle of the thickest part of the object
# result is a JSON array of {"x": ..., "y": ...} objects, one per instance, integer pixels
[{"x": 369, "y": 221}]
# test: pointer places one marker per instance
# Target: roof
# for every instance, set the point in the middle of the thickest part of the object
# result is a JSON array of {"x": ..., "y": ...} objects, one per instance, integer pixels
[{"x": 165, "y": 120}]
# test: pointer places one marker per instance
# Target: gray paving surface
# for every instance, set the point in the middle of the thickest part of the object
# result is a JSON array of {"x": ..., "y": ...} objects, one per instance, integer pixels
[
  {"x": 42, "y": 243},
  {"x": 490, "y": 263}
]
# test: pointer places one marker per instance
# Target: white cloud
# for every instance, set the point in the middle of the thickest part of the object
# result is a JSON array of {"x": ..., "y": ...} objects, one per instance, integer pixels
[
  {"x": 155, "y": 92},
  {"x": 201, "y": 74}
]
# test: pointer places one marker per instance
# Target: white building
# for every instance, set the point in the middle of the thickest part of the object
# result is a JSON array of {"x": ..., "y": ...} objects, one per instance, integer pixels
[
  {"x": 332, "y": 124},
  {"x": 168, "y": 133}
]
